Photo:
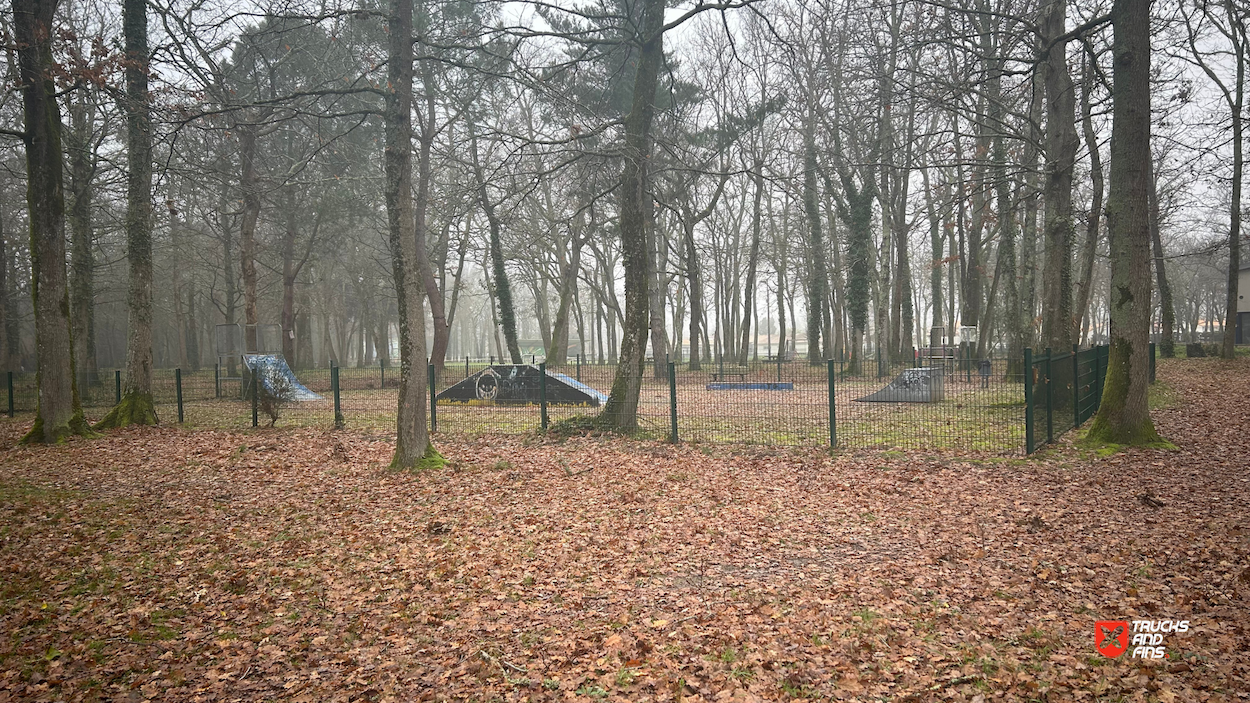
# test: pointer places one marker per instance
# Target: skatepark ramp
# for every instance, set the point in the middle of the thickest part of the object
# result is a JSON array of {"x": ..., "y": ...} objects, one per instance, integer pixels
[
  {"x": 268, "y": 368},
  {"x": 919, "y": 385},
  {"x": 519, "y": 384}
]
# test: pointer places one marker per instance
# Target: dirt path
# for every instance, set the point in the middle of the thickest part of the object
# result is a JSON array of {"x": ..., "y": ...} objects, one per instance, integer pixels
[{"x": 178, "y": 565}]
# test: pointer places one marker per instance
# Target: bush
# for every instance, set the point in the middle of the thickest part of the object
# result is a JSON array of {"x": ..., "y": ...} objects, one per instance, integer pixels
[{"x": 274, "y": 395}]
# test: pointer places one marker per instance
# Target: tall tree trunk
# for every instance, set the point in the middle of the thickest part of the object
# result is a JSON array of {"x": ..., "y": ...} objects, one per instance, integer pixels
[
  {"x": 180, "y": 316},
  {"x": 503, "y": 289},
  {"x": 856, "y": 211},
  {"x": 137, "y": 406},
  {"x": 621, "y": 410},
  {"x": 694, "y": 280},
  {"x": 1124, "y": 415},
  {"x": 6, "y": 358},
  {"x": 935, "y": 254},
  {"x": 192, "y": 330},
  {"x": 412, "y": 439},
  {"x": 494, "y": 310},
  {"x": 1090, "y": 248},
  {"x": 425, "y": 143},
  {"x": 972, "y": 271},
  {"x": 59, "y": 411},
  {"x": 1006, "y": 270},
  {"x": 815, "y": 242},
  {"x": 558, "y": 352},
  {"x": 748, "y": 288},
  {"x": 249, "y": 184},
  {"x": 1237, "y": 25},
  {"x": 1061, "y": 147},
  {"x": 694, "y": 270},
  {"x": 82, "y": 238},
  {"x": 1032, "y": 190},
  {"x": 230, "y": 309},
  {"x": 1167, "y": 341},
  {"x": 289, "y": 271},
  {"x": 658, "y": 249}
]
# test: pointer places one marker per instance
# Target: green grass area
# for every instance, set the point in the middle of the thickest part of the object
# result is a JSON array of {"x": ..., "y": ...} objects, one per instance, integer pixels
[{"x": 1163, "y": 396}]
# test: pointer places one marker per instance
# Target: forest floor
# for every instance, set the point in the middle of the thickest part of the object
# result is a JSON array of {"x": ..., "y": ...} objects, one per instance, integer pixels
[{"x": 178, "y": 565}]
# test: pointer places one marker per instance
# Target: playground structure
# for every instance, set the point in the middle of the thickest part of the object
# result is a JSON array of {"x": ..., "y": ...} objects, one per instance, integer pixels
[
  {"x": 521, "y": 384},
  {"x": 254, "y": 354}
]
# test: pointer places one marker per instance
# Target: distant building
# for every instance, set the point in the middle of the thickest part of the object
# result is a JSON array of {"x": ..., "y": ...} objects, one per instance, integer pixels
[{"x": 1243, "y": 304}]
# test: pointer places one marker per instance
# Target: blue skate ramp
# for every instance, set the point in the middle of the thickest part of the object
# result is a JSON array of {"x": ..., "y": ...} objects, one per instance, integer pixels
[{"x": 267, "y": 367}]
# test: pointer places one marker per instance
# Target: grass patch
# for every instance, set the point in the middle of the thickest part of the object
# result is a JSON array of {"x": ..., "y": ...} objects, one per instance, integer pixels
[{"x": 1162, "y": 396}]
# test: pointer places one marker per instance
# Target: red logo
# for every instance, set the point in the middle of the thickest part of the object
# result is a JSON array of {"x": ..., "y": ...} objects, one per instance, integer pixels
[{"x": 1111, "y": 637}]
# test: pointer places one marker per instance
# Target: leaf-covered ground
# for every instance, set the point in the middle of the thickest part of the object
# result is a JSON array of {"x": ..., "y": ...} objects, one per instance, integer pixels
[{"x": 170, "y": 565}]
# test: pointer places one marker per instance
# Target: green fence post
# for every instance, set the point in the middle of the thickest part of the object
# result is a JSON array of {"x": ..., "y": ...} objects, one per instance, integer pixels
[
  {"x": 431, "y": 380},
  {"x": 382, "y": 367},
  {"x": 217, "y": 380},
  {"x": 833, "y": 409},
  {"x": 1050, "y": 400},
  {"x": 542, "y": 395},
  {"x": 672, "y": 400},
  {"x": 1152, "y": 362},
  {"x": 255, "y": 401},
  {"x": 178, "y": 387},
  {"x": 117, "y": 385},
  {"x": 10, "y": 394},
  {"x": 778, "y": 368},
  {"x": 1076, "y": 387},
  {"x": 338, "y": 406},
  {"x": 1028, "y": 400}
]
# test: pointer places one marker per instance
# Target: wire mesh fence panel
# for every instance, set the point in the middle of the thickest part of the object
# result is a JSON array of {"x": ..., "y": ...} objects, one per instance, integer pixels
[
  {"x": 1065, "y": 392},
  {"x": 941, "y": 399},
  {"x": 1060, "y": 389},
  {"x": 935, "y": 403},
  {"x": 755, "y": 403},
  {"x": 1088, "y": 381}
]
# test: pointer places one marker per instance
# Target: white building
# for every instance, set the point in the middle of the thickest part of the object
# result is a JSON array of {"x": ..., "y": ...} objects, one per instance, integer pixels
[{"x": 1243, "y": 304}]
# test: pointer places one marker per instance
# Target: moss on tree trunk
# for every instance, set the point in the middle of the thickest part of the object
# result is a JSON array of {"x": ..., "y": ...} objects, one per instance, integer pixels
[{"x": 136, "y": 408}]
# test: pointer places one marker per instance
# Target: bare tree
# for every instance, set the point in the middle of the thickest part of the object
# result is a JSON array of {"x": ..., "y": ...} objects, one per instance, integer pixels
[
  {"x": 1124, "y": 415},
  {"x": 59, "y": 412},
  {"x": 136, "y": 406},
  {"x": 1228, "y": 19},
  {"x": 412, "y": 438}
]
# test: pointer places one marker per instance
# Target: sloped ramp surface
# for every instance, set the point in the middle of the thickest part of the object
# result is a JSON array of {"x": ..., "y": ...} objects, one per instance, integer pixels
[
  {"x": 267, "y": 367},
  {"x": 520, "y": 384},
  {"x": 920, "y": 385}
]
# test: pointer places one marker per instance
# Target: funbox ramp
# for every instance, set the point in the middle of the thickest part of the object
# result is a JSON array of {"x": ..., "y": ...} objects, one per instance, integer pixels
[
  {"x": 520, "y": 384},
  {"x": 919, "y": 385},
  {"x": 269, "y": 367}
]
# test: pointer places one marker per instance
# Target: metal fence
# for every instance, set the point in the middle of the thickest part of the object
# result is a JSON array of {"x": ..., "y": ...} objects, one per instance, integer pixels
[{"x": 943, "y": 399}]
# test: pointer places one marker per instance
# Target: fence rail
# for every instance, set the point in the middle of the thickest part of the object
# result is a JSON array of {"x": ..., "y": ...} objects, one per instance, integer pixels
[{"x": 942, "y": 399}]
